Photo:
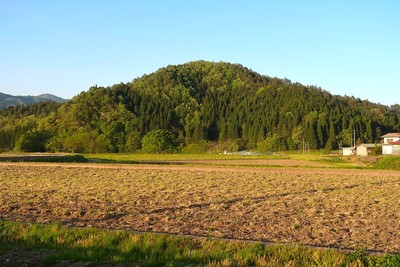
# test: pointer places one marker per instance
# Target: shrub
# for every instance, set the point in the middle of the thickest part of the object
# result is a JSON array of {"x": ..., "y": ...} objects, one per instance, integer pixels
[
  {"x": 86, "y": 142},
  {"x": 159, "y": 141},
  {"x": 33, "y": 141},
  {"x": 376, "y": 151},
  {"x": 271, "y": 144},
  {"x": 197, "y": 148}
]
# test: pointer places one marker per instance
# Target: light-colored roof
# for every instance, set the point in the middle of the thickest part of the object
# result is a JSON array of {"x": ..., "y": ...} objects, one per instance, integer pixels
[
  {"x": 391, "y": 135},
  {"x": 352, "y": 147},
  {"x": 368, "y": 145}
]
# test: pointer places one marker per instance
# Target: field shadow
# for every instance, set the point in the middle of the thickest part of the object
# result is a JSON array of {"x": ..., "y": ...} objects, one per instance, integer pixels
[
  {"x": 56, "y": 158},
  {"x": 149, "y": 162}
]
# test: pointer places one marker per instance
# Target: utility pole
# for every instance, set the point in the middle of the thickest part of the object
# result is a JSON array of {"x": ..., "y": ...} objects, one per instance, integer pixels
[{"x": 351, "y": 139}]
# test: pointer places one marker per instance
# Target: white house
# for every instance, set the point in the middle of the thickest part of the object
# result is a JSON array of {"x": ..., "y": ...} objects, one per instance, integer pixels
[
  {"x": 391, "y": 144},
  {"x": 391, "y": 137}
]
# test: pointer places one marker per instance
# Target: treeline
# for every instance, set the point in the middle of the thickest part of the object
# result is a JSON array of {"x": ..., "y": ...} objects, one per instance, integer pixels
[
  {"x": 194, "y": 104},
  {"x": 20, "y": 122}
]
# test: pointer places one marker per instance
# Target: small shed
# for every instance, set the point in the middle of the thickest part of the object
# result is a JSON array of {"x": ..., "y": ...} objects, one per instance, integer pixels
[
  {"x": 365, "y": 149},
  {"x": 348, "y": 151}
]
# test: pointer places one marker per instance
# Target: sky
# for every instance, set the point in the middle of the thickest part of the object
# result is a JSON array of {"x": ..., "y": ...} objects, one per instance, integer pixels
[{"x": 63, "y": 47}]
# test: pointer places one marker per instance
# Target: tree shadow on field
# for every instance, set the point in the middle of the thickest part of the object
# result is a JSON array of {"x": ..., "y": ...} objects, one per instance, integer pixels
[{"x": 136, "y": 162}]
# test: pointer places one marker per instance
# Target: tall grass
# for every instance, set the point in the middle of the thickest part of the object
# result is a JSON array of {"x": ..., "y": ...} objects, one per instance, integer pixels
[
  {"x": 120, "y": 247},
  {"x": 388, "y": 163}
]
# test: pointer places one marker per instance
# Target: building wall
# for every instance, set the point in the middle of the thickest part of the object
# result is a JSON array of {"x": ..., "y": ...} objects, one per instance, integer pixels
[
  {"x": 387, "y": 150},
  {"x": 362, "y": 151},
  {"x": 347, "y": 152}
]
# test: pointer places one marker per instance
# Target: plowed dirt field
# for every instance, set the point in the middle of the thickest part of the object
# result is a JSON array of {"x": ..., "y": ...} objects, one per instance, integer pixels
[{"x": 308, "y": 205}]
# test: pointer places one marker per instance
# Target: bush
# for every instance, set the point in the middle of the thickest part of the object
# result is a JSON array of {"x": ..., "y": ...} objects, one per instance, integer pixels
[
  {"x": 376, "y": 151},
  {"x": 159, "y": 141},
  {"x": 230, "y": 145},
  {"x": 271, "y": 144},
  {"x": 86, "y": 142},
  {"x": 33, "y": 141},
  {"x": 198, "y": 148},
  {"x": 133, "y": 141}
]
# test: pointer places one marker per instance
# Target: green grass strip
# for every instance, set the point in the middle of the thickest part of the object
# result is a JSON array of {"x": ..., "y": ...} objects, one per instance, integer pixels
[
  {"x": 50, "y": 245},
  {"x": 388, "y": 163}
]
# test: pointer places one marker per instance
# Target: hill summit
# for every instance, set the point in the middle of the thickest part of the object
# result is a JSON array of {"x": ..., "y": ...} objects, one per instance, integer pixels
[{"x": 200, "y": 102}]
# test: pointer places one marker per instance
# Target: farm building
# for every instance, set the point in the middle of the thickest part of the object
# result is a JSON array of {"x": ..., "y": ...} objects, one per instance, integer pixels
[
  {"x": 391, "y": 144},
  {"x": 365, "y": 149},
  {"x": 348, "y": 151},
  {"x": 392, "y": 148},
  {"x": 391, "y": 137}
]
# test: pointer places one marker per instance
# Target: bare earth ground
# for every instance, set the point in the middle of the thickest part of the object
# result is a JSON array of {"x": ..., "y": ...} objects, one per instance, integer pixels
[{"x": 313, "y": 206}]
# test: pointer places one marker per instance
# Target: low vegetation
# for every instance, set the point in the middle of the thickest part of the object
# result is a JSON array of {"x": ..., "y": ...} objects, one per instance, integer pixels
[
  {"x": 55, "y": 245},
  {"x": 388, "y": 163}
]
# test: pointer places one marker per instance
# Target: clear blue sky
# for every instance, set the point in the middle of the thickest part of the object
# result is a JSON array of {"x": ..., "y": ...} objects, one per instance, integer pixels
[{"x": 64, "y": 47}]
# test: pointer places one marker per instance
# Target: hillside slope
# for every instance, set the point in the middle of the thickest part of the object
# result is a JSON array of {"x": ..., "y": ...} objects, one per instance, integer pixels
[{"x": 210, "y": 101}]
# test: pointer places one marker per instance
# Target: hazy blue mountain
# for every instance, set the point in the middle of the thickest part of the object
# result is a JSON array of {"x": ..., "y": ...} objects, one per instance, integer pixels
[{"x": 10, "y": 100}]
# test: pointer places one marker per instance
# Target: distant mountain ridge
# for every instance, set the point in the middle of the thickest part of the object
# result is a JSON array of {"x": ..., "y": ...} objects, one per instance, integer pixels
[{"x": 7, "y": 100}]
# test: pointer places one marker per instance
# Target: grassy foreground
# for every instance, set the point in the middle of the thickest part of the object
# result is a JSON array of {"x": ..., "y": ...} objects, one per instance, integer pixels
[{"x": 49, "y": 245}]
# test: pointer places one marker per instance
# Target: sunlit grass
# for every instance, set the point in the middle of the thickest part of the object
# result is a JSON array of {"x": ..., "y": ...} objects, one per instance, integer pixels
[
  {"x": 120, "y": 247},
  {"x": 388, "y": 162}
]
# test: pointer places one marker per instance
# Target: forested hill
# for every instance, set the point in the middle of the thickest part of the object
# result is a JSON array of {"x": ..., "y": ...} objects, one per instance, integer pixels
[{"x": 204, "y": 101}]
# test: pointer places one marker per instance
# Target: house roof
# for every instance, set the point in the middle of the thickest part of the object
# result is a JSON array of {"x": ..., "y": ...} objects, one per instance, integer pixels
[
  {"x": 368, "y": 145},
  {"x": 391, "y": 135},
  {"x": 352, "y": 147},
  {"x": 395, "y": 143}
]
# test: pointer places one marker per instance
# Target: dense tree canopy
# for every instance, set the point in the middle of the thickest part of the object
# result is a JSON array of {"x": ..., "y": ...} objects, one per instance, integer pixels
[{"x": 201, "y": 101}]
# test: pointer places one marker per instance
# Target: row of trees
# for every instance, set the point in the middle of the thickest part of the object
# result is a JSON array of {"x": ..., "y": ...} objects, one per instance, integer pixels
[{"x": 195, "y": 103}]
